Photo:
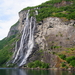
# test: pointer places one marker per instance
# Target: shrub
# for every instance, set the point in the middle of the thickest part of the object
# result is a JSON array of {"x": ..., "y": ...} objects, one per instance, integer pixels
[
  {"x": 53, "y": 52},
  {"x": 69, "y": 59},
  {"x": 11, "y": 65},
  {"x": 30, "y": 65},
  {"x": 63, "y": 64},
  {"x": 62, "y": 56},
  {"x": 72, "y": 63},
  {"x": 39, "y": 64}
]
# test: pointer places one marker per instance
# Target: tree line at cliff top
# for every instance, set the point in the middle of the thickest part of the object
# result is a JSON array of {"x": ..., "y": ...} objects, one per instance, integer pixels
[{"x": 48, "y": 9}]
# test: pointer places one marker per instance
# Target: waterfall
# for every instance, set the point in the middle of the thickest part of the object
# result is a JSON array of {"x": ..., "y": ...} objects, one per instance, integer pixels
[
  {"x": 15, "y": 50},
  {"x": 27, "y": 42},
  {"x": 36, "y": 12}
]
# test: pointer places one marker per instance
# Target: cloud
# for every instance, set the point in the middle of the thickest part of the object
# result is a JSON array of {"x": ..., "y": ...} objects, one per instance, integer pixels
[{"x": 9, "y": 13}]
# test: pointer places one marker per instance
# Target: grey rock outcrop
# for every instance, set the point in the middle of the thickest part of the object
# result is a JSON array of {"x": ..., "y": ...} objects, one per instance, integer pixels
[
  {"x": 18, "y": 27},
  {"x": 52, "y": 31},
  {"x": 13, "y": 30}
]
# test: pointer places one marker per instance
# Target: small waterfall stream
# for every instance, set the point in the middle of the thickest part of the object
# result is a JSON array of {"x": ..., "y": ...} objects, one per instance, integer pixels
[
  {"x": 27, "y": 42},
  {"x": 36, "y": 12}
]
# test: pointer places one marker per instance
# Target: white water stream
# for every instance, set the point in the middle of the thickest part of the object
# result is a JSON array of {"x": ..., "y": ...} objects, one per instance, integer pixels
[{"x": 27, "y": 42}]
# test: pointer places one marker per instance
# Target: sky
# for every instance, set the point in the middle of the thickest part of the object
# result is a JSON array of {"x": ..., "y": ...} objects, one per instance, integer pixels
[{"x": 9, "y": 13}]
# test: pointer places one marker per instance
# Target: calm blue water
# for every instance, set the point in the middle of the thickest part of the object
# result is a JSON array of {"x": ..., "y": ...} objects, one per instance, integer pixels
[{"x": 12, "y": 71}]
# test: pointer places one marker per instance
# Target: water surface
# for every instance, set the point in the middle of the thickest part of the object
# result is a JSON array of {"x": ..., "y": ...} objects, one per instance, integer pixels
[{"x": 13, "y": 71}]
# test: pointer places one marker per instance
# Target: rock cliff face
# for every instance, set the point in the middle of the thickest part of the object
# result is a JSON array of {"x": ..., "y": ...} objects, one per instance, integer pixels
[
  {"x": 13, "y": 30},
  {"x": 52, "y": 35},
  {"x": 18, "y": 27},
  {"x": 55, "y": 30},
  {"x": 63, "y": 3}
]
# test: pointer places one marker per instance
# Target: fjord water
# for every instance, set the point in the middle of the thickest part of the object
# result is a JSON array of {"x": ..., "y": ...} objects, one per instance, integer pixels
[{"x": 12, "y": 71}]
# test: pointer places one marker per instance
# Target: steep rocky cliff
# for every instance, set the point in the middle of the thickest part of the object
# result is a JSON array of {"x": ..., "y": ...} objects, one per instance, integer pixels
[
  {"x": 54, "y": 33},
  {"x": 52, "y": 36},
  {"x": 55, "y": 30}
]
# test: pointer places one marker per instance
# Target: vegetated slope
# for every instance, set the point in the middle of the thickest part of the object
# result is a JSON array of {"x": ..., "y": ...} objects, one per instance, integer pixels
[
  {"x": 53, "y": 8},
  {"x": 7, "y": 46},
  {"x": 58, "y": 8}
]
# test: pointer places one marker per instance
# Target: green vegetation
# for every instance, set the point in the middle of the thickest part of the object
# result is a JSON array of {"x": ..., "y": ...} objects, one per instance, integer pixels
[
  {"x": 72, "y": 63},
  {"x": 37, "y": 64},
  {"x": 71, "y": 60},
  {"x": 41, "y": 51},
  {"x": 62, "y": 56},
  {"x": 6, "y": 46},
  {"x": 11, "y": 65},
  {"x": 55, "y": 47},
  {"x": 48, "y": 9},
  {"x": 63, "y": 64},
  {"x": 15, "y": 24},
  {"x": 5, "y": 41},
  {"x": 4, "y": 57},
  {"x": 71, "y": 49},
  {"x": 53, "y": 52}
]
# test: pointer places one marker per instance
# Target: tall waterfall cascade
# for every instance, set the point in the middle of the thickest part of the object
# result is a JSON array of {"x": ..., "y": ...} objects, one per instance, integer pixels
[{"x": 22, "y": 53}]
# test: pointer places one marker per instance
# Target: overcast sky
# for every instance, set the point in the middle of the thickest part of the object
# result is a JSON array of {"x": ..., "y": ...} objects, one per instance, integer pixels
[{"x": 9, "y": 13}]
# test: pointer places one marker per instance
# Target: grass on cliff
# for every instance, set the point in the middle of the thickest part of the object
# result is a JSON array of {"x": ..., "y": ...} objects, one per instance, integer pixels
[
  {"x": 6, "y": 47},
  {"x": 15, "y": 24},
  {"x": 48, "y": 9},
  {"x": 6, "y": 41}
]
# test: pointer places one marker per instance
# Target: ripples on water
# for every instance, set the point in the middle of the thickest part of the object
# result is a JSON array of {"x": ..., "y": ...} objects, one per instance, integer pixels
[{"x": 12, "y": 71}]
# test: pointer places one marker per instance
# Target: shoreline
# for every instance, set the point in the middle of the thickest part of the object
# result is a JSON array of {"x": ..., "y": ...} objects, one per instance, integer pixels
[
  {"x": 61, "y": 69},
  {"x": 56, "y": 69}
]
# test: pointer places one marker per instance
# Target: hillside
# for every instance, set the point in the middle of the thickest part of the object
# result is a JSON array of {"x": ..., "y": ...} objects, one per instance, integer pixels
[{"x": 54, "y": 35}]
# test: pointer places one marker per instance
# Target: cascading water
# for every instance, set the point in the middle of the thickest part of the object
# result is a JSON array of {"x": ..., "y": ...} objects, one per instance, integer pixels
[
  {"x": 27, "y": 42},
  {"x": 36, "y": 12}
]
